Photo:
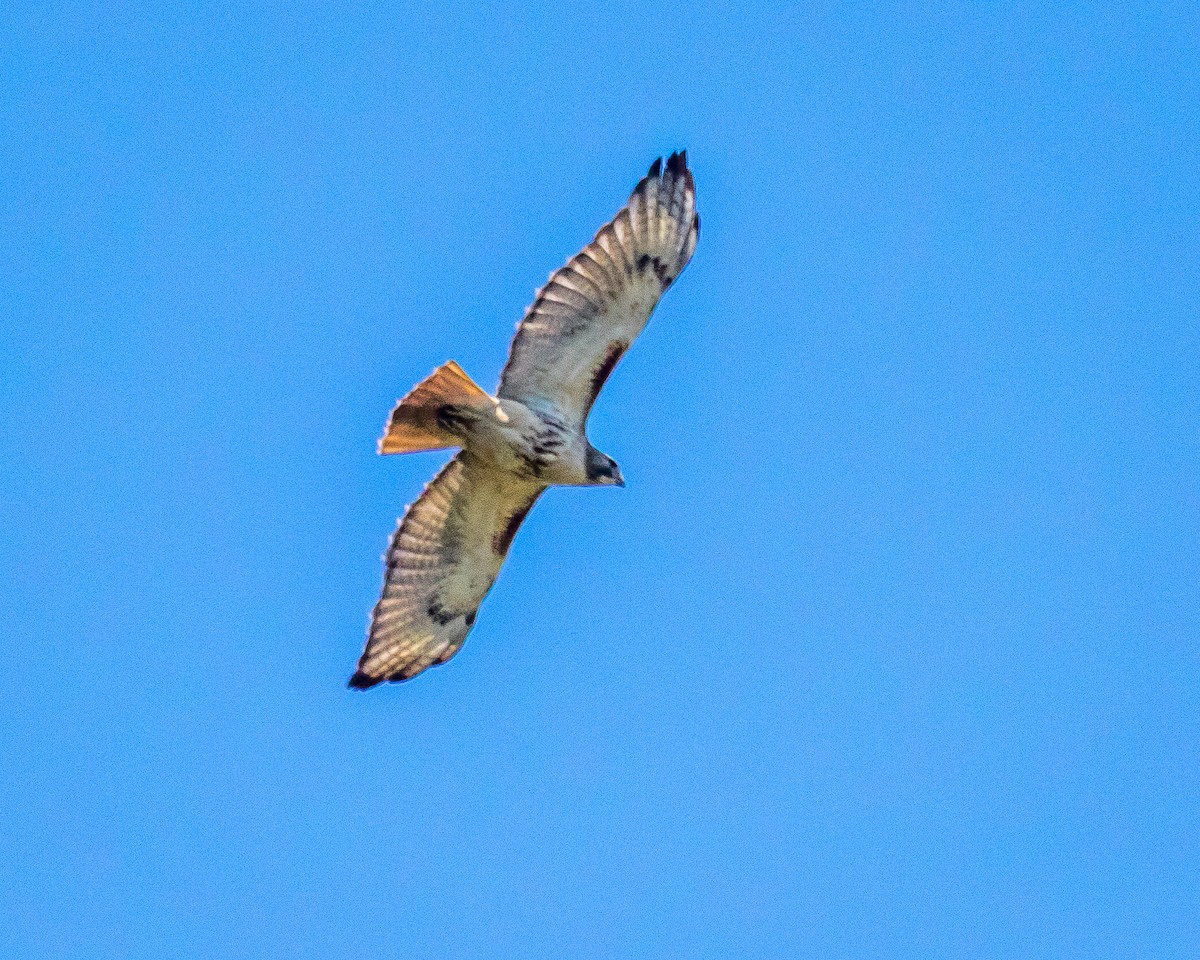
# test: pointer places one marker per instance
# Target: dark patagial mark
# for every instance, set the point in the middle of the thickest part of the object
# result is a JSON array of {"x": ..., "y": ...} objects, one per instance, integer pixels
[
  {"x": 604, "y": 371},
  {"x": 502, "y": 541},
  {"x": 470, "y": 618}
]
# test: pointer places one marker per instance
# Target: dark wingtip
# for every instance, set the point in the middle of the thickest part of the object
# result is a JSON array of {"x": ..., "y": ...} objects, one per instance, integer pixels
[
  {"x": 655, "y": 168},
  {"x": 696, "y": 224},
  {"x": 677, "y": 162},
  {"x": 360, "y": 681}
]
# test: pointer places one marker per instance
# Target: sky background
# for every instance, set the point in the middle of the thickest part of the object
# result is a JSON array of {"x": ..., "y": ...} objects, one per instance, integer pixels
[{"x": 888, "y": 649}]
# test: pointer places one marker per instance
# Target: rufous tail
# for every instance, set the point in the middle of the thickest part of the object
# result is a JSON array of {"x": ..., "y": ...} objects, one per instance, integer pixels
[{"x": 423, "y": 420}]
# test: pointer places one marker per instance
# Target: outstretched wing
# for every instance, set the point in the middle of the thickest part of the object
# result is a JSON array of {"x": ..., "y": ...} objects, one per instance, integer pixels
[
  {"x": 591, "y": 310},
  {"x": 441, "y": 562}
]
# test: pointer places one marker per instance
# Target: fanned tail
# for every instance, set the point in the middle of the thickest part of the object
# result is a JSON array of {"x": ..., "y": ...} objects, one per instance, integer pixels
[{"x": 425, "y": 419}]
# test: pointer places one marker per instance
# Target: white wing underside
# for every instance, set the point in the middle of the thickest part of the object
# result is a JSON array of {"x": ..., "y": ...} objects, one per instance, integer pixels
[
  {"x": 590, "y": 311},
  {"x": 441, "y": 562}
]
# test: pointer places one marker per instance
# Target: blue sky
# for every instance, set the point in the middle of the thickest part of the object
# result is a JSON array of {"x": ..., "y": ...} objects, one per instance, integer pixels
[{"x": 888, "y": 649}]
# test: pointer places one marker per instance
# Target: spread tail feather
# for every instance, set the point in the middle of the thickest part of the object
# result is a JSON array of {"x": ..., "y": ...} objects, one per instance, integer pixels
[{"x": 421, "y": 421}]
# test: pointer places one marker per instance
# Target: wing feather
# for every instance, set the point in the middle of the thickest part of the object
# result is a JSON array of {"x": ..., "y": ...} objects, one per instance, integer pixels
[
  {"x": 590, "y": 311},
  {"x": 441, "y": 563}
]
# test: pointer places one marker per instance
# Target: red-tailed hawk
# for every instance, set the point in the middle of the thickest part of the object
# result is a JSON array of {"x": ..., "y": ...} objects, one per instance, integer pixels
[{"x": 451, "y": 543}]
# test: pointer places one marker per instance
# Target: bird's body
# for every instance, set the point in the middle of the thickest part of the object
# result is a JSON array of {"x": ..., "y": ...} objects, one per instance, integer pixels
[
  {"x": 522, "y": 440},
  {"x": 451, "y": 543}
]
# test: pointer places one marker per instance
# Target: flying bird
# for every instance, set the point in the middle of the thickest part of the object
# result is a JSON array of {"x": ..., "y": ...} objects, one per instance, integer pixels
[{"x": 449, "y": 547}]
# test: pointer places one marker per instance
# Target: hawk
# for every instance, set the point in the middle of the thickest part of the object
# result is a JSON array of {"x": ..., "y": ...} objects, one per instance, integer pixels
[{"x": 449, "y": 546}]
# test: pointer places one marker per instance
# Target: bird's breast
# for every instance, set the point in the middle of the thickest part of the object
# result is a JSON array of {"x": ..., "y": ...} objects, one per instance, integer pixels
[{"x": 530, "y": 443}]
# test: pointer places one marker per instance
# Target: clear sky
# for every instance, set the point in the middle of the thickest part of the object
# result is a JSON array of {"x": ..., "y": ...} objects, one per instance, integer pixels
[{"x": 889, "y": 647}]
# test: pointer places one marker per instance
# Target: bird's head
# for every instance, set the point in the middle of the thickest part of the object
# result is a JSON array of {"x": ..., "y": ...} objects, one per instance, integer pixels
[{"x": 602, "y": 470}]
